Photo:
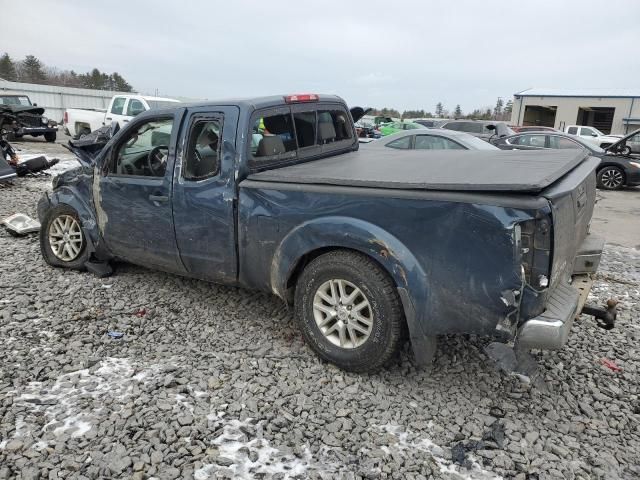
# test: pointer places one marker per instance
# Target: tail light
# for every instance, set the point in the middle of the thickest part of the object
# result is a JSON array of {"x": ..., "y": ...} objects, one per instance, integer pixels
[
  {"x": 535, "y": 250},
  {"x": 65, "y": 117},
  {"x": 301, "y": 98}
]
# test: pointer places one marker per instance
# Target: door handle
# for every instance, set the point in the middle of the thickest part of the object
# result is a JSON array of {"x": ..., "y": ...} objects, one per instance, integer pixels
[
  {"x": 125, "y": 121},
  {"x": 108, "y": 118},
  {"x": 159, "y": 198}
]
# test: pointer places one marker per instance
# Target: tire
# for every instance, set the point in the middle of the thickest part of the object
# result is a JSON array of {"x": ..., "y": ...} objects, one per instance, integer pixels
[
  {"x": 610, "y": 178},
  {"x": 626, "y": 150},
  {"x": 352, "y": 275},
  {"x": 73, "y": 257},
  {"x": 50, "y": 137}
]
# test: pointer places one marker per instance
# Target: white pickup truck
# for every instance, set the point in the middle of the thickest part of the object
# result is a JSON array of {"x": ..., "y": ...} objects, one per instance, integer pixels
[
  {"x": 592, "y": 135},
  {"x": 79, "y": 122}
]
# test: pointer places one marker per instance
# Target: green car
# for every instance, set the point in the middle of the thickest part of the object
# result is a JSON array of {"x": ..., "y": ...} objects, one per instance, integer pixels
[{"x": 394, "y": 127}]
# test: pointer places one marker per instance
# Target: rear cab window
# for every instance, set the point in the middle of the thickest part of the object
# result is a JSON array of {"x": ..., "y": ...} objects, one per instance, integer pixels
[{"x": 299, "y": 132}]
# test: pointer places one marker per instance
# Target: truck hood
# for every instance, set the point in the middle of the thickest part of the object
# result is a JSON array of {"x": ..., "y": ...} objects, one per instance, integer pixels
[
  {"x": 15, "y": 109},
  {"x": 460, "y": 170},
  {"x": 87, "y": 148}
]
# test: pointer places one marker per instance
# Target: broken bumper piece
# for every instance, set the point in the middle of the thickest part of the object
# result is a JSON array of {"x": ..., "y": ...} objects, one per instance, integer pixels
[{"x": 21, "y": 224}]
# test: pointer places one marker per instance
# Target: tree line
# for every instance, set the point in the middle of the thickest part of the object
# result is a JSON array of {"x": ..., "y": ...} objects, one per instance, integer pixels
[
  {"x": 32, "y": 70},
  {"x": 501, "y": 111}
]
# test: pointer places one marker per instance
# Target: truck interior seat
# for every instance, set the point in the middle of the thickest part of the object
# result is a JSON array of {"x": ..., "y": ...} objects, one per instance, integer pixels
[
  {"x": 326, "y": 132},
  {"x": 270, "y": 145}
]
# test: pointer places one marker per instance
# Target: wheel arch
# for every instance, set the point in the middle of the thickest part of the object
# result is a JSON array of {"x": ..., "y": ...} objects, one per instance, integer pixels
[
  {"x": 314, "y": 238},
  {"x": 67, "y": 196}
]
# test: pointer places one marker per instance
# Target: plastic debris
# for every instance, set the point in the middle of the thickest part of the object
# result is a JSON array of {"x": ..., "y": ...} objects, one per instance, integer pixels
[
  {"x": 141, "y": 312},
  {"x": 21, "y": 224},
  {"x": 115, "y": 335},
  {"x": 610, "y": 364}
]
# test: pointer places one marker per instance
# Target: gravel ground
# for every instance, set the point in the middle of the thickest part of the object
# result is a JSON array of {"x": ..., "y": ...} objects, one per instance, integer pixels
[{"x": 215, "y": 382}]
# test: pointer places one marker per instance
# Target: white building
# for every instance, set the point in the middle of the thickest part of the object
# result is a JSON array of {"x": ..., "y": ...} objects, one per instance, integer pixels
[{"x": 615, "y": 111}]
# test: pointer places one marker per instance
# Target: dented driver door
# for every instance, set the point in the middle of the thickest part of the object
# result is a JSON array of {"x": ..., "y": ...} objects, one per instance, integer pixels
[{"x": 133, "y": 192}]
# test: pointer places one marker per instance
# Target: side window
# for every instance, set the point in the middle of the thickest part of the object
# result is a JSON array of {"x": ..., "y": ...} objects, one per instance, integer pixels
[
  {"x": 118, "y": 105},
  {"x": 452, "y": 126},
  {"x": 401, "y": 143},
  {"x": 572, "y": 131},
  {"x": 203, "y": 150},
  {"x": 272, "y": 135},
  {"x": 586, "y": 131},
  {"x": 562, "y": 143},
  {"x": 144, "y": 151},
  {"x": 433, "y": 142},
  {"x": 135, "y": 107},
  {"x": 333, "y": 126},
  {"x": 532, "y": 141}
]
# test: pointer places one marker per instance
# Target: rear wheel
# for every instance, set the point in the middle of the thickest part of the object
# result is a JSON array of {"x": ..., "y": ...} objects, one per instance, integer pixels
[
  {"x": 50, "y": 137},
  {"x": 349, "y": 311},
  {"x": 610, "y": 178},
  {"x": 62, "y": 241}
]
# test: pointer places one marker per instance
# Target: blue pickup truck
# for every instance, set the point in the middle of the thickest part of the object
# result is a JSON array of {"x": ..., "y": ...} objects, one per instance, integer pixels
[{"x": 370, "y": 247}]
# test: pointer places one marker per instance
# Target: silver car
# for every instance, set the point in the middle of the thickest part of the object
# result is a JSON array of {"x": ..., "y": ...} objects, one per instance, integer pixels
[{"x": 430, "y": 139}]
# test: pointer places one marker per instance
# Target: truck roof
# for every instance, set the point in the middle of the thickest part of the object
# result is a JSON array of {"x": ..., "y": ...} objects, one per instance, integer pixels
[
  {"x": 261, "y": 102},
  {"x": 460, "y": 170}
]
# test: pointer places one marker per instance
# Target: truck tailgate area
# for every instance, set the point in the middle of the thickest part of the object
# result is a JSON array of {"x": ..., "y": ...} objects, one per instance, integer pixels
[{"x": 459, "y": 170}]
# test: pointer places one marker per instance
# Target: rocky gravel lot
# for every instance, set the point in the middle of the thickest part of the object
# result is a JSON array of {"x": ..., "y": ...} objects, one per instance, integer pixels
[{"x": 215, "y": 382}]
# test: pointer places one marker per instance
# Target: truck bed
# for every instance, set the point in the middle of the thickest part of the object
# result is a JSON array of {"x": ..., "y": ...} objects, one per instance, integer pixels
[{"x": 434, "y": 170}]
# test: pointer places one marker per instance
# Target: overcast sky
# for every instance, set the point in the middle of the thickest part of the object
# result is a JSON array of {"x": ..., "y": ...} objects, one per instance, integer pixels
[{"x": 406, "y": 54}]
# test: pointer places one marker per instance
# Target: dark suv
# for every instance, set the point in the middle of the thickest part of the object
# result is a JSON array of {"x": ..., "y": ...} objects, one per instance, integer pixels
[{"x": 484, "y": 129}]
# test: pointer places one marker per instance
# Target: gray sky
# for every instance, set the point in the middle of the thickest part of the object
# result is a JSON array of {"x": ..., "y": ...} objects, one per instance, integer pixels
[{"x": 407, "y": 54}]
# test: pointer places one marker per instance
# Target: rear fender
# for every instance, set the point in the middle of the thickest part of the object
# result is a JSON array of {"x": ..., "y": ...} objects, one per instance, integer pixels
[{"x": 354, "y": 234}]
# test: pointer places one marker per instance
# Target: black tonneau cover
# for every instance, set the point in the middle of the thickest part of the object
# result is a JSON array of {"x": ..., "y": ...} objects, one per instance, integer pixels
[{"x": 468, "y": 170}]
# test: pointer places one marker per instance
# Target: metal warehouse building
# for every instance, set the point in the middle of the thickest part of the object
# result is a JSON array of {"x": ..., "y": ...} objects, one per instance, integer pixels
[{"x": 611, "y": 111}]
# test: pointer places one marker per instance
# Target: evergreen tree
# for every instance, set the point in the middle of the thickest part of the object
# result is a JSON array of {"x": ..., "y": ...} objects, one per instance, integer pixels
[
  {"x": 8, "y": 68},
  {"x": 120, "y": 84},
  {"x": 439, "y": 109},
  {"x": 508, "y": 108},
  {"x": 457, "y": 113},
  {"x": 32, "y": 70},
  {"x": 497, "y": 111}
]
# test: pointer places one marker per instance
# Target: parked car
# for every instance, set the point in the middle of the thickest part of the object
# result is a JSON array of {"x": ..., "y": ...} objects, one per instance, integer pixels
[
  {"x": 533, "y": 128},
  {"x": 364, "y": 244},
  {"x": 627, "y": 145},
  {"x": 430, "y": 122},
  {"x": 593, "y": 135},
  {"x": 613, "y": 172},
  {"x": 79, "y": 122},
  {"x": 484, "y": 129},
  {"x": 393, "y": 127},
  {"x": 431, "y": 139},
  {"x": 18, "y": 117},
  {"x": 367, "y": 131}
]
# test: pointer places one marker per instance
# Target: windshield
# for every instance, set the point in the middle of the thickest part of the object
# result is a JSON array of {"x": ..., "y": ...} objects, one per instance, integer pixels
[
  {"x": 22, "y": 101},
  {"x": 153, "y": 104}
]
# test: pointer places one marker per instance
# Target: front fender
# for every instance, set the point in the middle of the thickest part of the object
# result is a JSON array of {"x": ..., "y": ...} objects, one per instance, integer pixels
[{"x": 354, "y": 234}]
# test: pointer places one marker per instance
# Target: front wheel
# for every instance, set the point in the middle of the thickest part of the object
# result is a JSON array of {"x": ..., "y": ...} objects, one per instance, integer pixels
[
  {"x": 349, "y": 311},
  {"x": 62, "y": 241},
  {"x": 50, "y": 137},
  {"x": 610, "y": 178}
]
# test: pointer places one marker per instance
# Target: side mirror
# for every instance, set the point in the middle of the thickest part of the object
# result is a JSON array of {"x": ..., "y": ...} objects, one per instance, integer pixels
[
  {"x": 594, "y": 134},
  {"x": 491, "y": 127},
  {"x": 115, "y": 127},
  {"x": 35, "y": 104}
]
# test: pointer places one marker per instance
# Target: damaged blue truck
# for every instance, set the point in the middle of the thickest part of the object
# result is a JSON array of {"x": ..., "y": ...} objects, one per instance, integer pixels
[{"x": 370, "y": 248}]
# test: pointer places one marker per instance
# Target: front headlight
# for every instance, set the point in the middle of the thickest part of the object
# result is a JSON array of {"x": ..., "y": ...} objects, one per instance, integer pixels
[
  {"x": 634, "y": 164},
  {"x": 44, "y": 120}
]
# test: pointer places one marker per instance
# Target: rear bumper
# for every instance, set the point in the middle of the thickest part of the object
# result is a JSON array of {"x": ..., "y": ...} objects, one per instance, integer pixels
[{"x": 550, "y": 330}]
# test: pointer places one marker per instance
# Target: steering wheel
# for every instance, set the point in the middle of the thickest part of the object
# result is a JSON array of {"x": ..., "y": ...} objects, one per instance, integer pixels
[{"x": 157, "y": 161}]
